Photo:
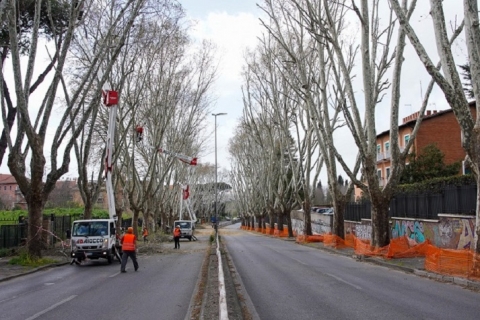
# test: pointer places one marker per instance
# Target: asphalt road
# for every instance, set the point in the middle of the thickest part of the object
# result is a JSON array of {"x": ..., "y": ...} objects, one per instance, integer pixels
[
  {"x": 161, "y": 289},
  {"x": 284, "y": 280}
]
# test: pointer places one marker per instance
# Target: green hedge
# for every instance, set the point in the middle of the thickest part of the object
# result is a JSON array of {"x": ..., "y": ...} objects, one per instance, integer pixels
[
  {"x": 436, "y": 185},
  {"x": 14, "y": 215}
]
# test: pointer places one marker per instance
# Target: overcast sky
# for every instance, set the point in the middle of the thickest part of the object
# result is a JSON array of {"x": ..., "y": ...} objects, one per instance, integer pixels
[{"x": 233, "y": 26}]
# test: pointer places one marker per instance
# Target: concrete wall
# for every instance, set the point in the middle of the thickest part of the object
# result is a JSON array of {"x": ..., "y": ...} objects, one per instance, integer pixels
[{"x": 448, "y": 232}]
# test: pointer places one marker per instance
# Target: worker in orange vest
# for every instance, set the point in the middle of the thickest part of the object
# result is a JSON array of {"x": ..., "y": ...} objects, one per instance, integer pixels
[
  {"x": 176, "y": 236},
  {"x": 129, "y": 249},
  {"x": 145, "y": 234}
]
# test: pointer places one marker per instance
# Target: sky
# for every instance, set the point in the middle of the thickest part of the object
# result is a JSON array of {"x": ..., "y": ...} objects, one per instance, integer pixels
[{"x": 233, "y": 25}]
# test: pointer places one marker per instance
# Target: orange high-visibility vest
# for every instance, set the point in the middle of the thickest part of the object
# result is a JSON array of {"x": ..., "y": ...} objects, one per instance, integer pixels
[
  {"x": 128, "y": 242},
  {"x": 177, "y": 232},
  {"x": 145, "y": 232}
]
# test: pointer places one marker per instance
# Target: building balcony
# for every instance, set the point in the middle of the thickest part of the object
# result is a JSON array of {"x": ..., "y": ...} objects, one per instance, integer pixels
[{"x": 383, "y": 156}]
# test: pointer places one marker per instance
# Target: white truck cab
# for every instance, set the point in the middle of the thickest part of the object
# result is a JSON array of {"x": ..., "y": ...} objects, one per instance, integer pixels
[
  {"x": 94, "y": 239},
  {"x": 187, "y": 227}
]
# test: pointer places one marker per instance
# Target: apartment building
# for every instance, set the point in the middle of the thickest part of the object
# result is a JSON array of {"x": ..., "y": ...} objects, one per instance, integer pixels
[
  {"x": 438, "y": 127},
  {"x": 10, "y": 194}
]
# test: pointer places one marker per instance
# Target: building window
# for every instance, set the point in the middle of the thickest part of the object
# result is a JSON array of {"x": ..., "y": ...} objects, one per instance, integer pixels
[
  {"x": 387, "y": 150},
  {"x": 5, "y": 188},
  {"x": 379, "y": 174},
  {"x": 406, "y": 138},
  {"x": 379, "y": 149},
  {"x": 387, "y": 172}
]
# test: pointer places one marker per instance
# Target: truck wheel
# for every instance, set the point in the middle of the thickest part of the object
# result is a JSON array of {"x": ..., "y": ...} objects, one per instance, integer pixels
[{"x": 189, "y": 238}]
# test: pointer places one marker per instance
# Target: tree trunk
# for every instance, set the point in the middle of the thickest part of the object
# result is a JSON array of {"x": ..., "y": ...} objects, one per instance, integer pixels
[
  {"x": 380, "y": 221},
  {"x": 338, "y": 221},
  {"x": 476, "y": 164},
  {"x": 119, "y": 212},
  {"x": 308, "y": 218},
  {"x": 280, "y": 221},
  {"x": 35, "y": 242},
  {"x": 87, "y": 213},
  {"x": 136, "y": 214},
  {"x": 288, "y": 217}
]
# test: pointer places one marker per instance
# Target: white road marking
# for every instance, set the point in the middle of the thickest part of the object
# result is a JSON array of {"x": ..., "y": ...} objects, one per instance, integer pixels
[
  {"x": 114, "y": 275},
  {"x": 8, "y": 299},
  {"x": 49, "y": 283},
  {"x": 346, "y": 282},
  {"x": 35, "y": 316}
]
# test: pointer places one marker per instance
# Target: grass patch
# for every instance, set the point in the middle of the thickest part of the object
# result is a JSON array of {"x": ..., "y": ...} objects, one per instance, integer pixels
[
  {"x": 24, "y": 259},
  {"x": 5, "y": 252},
  {"x": 212, "y": 238}
]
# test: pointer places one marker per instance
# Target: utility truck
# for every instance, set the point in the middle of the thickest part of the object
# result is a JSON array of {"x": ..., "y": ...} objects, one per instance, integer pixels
[
  {"x": 187, "y": 227},
  {"x": 94, "y": 239},
  {"x": 97, "y": 238}
]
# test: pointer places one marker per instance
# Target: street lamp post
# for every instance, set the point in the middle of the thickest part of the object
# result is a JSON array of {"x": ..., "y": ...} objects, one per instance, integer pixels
[{"x": 216, "y": 221}]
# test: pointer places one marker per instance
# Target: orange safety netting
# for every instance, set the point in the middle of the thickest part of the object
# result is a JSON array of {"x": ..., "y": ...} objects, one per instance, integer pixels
[
  {"x": 280, "y": 233},
  {"x": 312, "y": 238},
  {"x": 464, "y": 263},
  {"x": 269, "y": 231},
  {"x": 402, "y": 248},
  {"x": 398, "y": 248},
  {"x": 334, "y": 241}
]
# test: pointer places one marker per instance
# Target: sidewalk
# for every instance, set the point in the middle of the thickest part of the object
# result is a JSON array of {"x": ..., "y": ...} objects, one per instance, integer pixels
[{"x": 10, "y": 271}]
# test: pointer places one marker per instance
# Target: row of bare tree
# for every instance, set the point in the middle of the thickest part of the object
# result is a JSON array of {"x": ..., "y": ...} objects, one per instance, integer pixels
[
  {"x": 324, "y": 67},
  {"x": 57, "y": 55}
]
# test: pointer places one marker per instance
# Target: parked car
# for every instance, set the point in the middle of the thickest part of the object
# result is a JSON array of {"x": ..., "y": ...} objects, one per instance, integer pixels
[{"x": 326, "y": 211}]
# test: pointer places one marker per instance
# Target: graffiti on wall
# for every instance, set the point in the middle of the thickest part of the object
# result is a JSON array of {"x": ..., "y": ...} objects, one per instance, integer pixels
[
  {"x": 297, "y": 226},
  {"x": 363, "y": 231},
  {"x": 320, "y": 228},
  {"x": 414, "y": 230},
  {"x": 448, "y": 233},
  {"x": 456, "y": 233},
  {"x": 317, "y": 228},
  {"x": 445, "y": 232}
]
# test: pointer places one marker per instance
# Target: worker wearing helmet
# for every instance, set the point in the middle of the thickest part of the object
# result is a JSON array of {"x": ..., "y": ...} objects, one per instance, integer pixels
[
  {"x": 145, "y": 234},
  {"x": 176, "y": 236},
  {"x": 129, "y": 249}
]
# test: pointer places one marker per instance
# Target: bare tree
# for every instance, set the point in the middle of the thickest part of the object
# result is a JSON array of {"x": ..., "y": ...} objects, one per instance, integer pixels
[
  {"x": 450, "y": 82},
  {"x": 167, "y": 93},
  {"x": 36, "y": 115}
]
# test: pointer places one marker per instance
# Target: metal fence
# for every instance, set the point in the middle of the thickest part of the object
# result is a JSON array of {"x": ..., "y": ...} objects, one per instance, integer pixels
[
  {"x": 425, "y": 205},
  {"x": 15, "y": 234},
  {"x": 12, "y": 235}
]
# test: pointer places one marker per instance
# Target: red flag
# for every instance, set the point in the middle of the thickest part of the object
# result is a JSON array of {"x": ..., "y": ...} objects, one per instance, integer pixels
[{"x": 186, "y": 193}]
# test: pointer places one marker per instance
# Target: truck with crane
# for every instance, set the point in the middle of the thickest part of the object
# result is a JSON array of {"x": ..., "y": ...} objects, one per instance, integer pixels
[
  {"x": 97, "y": 238},
  {"x": 187, "y": 227}
]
